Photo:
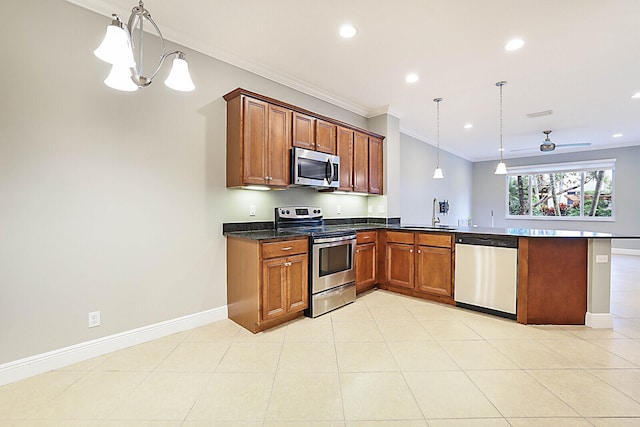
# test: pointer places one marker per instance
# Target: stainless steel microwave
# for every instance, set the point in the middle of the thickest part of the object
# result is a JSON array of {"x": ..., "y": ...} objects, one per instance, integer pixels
[{"x": 314, "y": 168}]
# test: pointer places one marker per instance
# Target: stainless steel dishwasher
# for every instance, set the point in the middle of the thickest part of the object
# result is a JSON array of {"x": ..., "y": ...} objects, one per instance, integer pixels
[{"x": 486, "y": 274}]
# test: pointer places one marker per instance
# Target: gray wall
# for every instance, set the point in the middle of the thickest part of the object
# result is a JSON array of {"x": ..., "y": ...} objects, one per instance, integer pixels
[
  {"x": 489, "y": 193},
  {"x": 114, "y": 201},
  {"x": 418, "y": 188}
]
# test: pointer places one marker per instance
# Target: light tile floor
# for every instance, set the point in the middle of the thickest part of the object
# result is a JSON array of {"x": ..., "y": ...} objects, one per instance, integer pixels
[{"x": 386, "y": 360}]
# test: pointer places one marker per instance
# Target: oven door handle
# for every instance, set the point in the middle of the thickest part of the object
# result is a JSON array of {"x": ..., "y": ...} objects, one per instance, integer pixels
[{"x": 326, "y": 241}]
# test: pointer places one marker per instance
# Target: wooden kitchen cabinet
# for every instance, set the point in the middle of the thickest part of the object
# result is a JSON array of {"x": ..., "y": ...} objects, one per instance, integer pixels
[
  {"x": 325, "y": 137},
  {"x": 344, "y": 149},
  {"x": 284, "y": 286},
  {"x": 258, "y": 143},
  {"x": 353, "y": 149},
  {"x": 375, "y": 165},
  {"x": 366, "y": 260},
  {"x": 267, "y": 282},
  {"x": 360, "y": 162},
  {"x": 420, "y": 264},
  {"x": 304, "y": 127}
]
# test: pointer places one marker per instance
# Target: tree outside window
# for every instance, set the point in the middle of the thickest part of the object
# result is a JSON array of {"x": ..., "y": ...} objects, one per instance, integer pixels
[{"x": 573, "y": 194}]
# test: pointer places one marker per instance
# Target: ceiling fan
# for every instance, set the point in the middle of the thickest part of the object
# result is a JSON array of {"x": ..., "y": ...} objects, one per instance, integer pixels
[{"x": 548, "y": 146}]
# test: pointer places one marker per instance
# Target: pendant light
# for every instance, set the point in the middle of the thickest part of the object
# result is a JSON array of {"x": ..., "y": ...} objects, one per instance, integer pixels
[
  {"x": 438, "y": 172},
  {"x": 502, "y": 168},
  {"x": 117, "y": 49}
]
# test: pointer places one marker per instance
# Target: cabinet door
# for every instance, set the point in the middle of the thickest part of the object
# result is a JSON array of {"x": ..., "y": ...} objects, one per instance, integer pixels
[
  {"x": 400, "y": 265},
  {"x": 255, "y": 130},
  {"x": 345, "y": 151},
  {"x": 360, "y": 162},
  {"x": 278, "y": 158},
  {"x": 433, "y": 270},
  {"x": 304, "y": 131},
  {"x": 297, "y": 285},
  {"x": 365, "y": 266},
  {"x": 375, "y": 165},
  {"x": 274, "y": 278},
  {"x": 325, "y": 137}
]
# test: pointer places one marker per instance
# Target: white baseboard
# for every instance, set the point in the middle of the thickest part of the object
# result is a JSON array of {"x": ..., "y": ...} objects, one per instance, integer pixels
[
  {"x": 40, "y": 363},
  {"x": 622, "y": 251},
  {"x": 599, "y": 320}
]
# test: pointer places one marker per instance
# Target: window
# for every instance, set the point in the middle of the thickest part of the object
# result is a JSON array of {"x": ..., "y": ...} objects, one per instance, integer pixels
[{"x": 581, "y": 190}]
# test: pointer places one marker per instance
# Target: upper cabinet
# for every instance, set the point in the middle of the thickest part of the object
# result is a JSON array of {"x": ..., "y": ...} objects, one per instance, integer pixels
[
  {"x": 304, "y": 131},
  {"x": 313, "y": 134},
  {"x": 262, "y": 130},
  {"x": 375, "y": 165}
]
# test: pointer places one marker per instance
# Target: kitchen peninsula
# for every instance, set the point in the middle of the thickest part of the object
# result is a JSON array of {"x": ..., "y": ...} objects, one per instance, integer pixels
[{"x": 563, "y": 277}]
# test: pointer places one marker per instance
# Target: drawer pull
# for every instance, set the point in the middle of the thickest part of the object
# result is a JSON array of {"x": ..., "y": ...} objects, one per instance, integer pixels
[
  {"x": 288, "y": 248},
  {"x": 367, "y": 237},
  {"x": 287, "y": 264}
]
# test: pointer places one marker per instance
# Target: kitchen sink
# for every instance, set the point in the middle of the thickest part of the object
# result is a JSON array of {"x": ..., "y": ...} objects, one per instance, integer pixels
[{"x": 428, "y": 227}]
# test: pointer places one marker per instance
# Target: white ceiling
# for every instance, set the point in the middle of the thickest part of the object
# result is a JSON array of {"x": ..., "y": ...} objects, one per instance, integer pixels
[{"x": 581, "y": 60}]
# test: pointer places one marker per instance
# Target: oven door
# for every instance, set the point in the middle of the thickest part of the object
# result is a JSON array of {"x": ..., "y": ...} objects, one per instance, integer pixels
[
  {"x": 314, "y": 168},
  {"x": 333, "y": 262}
]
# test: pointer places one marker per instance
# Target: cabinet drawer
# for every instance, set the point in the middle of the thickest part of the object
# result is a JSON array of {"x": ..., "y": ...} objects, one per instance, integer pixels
[
  {"x": 399, "y": 237},
  {"x": 439, "y": 240},
  {"x": 366, "y": 237},
  {"x": 284, "y": 248}
]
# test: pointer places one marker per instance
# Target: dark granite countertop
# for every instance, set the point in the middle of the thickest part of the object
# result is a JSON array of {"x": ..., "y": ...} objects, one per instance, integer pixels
[{"x": 271, "y": 233}]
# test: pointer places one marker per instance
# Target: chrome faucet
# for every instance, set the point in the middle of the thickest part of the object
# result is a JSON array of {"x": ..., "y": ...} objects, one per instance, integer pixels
[{"x": 434, "y": 219}]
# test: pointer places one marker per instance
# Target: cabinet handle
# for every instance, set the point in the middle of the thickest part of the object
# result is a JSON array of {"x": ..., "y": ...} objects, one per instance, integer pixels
[
  {"x": 288, "y": 248},
  {"x": 410, "y": 250},
  {"x": 287, "y": 264},
  {"x": 367, "y": 237},
  {"x": 419, "y": 251},
  {"x": 357, "y": 250}
]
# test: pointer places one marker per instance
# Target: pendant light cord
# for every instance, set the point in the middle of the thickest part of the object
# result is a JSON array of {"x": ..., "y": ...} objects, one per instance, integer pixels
[{"x": 500, "y": 84}]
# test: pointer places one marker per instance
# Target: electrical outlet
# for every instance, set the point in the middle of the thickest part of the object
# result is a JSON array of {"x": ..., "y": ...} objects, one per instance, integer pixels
[
  {"x": 380, "y": 208},
  {"x": 252, "y": 210},
  {"x": 339, "y": 210},
  {"x": 370, "y": 209},
  {"x": 94, "y": 319},
  {"x": 602, "y": 258}
]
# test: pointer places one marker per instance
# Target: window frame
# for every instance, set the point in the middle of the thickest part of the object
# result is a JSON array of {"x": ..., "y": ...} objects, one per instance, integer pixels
[{"x": 564, "y": 167}]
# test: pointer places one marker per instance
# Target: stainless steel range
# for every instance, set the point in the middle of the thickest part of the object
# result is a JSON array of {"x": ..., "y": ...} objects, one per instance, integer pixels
[{"x": 332, "y": 252}]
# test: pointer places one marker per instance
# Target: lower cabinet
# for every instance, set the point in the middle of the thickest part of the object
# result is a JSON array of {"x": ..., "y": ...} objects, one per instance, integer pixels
[
  {"x": 366, "y": 260},
  {"x": 284, "y": 286},
  {"x": 420, "y": 264},
  {"x": 267, "y": 281}
]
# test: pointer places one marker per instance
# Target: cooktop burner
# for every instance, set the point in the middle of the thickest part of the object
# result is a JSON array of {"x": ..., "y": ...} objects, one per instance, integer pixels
[{"x": 307, "y": 219}]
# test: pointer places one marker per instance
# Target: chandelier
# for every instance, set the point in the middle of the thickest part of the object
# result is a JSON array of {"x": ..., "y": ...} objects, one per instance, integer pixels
[{"x": 117, "y": 49}]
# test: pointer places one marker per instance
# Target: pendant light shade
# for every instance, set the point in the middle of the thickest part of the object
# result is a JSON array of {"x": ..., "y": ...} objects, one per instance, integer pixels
[
  {"x": 120, "y": 79},
  {"x": 117, "y": 49},
  {"x": 179, "y": 78},
  {"x": 501, "y": 169},
  {"x": 437, "y": 174}
]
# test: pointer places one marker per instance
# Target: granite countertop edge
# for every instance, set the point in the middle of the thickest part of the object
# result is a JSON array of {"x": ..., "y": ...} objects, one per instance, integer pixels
[{"x": 271, "y": 234}]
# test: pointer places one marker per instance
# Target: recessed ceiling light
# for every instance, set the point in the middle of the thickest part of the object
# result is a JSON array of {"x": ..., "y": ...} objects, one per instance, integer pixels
[
  {"x": 347, "y": 31},
  {"x": 412, "y": 78},
  {"x": 514, "y": 44},
  {"x": 468, "y": 126},
  {"x": 636, "y": 95},
  {"x": 617, "y": 135}
]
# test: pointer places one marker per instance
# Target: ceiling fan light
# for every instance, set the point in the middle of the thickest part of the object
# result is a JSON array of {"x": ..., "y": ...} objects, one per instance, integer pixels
[
  {"x": 437, "y": 174},
  {"x": 179, "y": 77},
  {"x": 501, "y": 169}
]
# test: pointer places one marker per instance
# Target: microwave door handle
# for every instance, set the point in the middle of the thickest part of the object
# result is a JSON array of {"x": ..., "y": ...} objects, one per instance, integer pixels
[{"x": 328, "y": 171}]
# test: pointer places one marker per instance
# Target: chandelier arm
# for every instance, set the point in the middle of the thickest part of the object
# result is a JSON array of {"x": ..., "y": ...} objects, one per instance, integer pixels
[{"x": 138, "y": 15}]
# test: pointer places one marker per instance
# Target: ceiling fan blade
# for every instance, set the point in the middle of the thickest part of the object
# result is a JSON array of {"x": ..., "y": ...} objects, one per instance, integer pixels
[
  {"x": 576, "y": 144},
  {"x": 522, "y": 149}
]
